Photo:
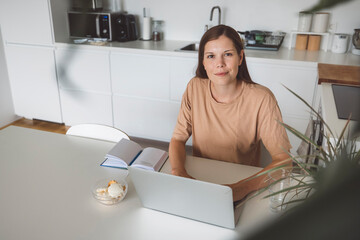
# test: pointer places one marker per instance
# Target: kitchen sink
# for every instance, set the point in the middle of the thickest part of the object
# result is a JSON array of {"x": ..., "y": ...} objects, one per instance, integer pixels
[{"x": 190, "y": 47}]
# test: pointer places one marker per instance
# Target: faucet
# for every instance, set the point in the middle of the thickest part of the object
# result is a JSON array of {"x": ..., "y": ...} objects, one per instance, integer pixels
[{"x": 212, "y": 12}]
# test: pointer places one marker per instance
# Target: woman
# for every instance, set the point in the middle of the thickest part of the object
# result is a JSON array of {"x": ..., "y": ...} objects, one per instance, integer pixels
[{"x": 226, "y": 113}]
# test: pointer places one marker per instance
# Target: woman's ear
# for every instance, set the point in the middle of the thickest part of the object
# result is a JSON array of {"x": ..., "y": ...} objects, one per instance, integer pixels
[{"x": 241, "y": 55}]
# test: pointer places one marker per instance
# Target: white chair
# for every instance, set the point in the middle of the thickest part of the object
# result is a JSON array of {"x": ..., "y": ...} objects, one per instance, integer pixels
[{"x": 97, "y": 131}]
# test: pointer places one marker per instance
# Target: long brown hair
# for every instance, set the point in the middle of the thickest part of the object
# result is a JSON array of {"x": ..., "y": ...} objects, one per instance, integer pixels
[{"x": 213, "y": 34}]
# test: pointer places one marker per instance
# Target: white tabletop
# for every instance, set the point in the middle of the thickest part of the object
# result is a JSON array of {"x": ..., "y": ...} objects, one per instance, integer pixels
[{"x": 45, "y": 193}]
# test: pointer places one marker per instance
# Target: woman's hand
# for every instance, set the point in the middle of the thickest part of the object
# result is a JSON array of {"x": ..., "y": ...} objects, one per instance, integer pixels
[
  {"x": 239, "y": 190},
  {"x": 177, "y": 158},
  {"x": 182, "y": 173},
  {"x": 253, "y": 183}
]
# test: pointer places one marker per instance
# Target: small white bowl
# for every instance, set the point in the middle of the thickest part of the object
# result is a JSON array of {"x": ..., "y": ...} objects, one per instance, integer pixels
[{"x": 101, "y": 194}]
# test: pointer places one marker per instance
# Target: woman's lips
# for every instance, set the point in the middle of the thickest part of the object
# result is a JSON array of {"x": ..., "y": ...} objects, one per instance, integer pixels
[{"x": 221, "y": 74}]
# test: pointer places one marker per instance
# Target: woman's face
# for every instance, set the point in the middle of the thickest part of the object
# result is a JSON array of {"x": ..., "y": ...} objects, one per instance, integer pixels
[{"x": 221, "y": 61}]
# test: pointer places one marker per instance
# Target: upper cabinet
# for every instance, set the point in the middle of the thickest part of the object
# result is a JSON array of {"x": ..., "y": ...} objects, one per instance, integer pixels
[{"x": 27, "y": 22}]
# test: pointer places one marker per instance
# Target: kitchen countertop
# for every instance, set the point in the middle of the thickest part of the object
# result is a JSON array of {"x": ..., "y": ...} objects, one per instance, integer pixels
[
  {"x": 170, "y": 47},
  {"x": 339, "y": 74}
]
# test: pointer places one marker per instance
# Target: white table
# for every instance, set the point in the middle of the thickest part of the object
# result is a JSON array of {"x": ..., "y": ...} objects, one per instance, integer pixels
[{"x": 45, "y": 193}]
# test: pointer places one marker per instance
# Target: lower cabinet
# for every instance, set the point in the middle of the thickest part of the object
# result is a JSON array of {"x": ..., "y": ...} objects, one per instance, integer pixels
[
  {"x": 146, "y": 118},
  {"x": 33, "y": 82},
  {"x": 147, "y": 92},
  {"x": 140, "y": 93},
  {"x": 85, "y": 87},
  {"x": 84, "y": 107},
  {"x": 140, "y": 75},
  {"x": 181, "y": 71}
]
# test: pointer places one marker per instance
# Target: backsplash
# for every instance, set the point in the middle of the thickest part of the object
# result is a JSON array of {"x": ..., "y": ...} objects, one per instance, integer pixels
[{"x": 186, "y": 19}]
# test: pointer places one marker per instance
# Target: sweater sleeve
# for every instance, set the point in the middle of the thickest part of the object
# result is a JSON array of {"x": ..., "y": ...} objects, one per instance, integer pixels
[
  {"x": 183, "y": 128},
  {"x": 271, "y": 132}
]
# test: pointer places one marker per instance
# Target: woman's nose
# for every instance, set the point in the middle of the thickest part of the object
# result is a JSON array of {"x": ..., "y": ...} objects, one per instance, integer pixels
[{"x": 220, "y": 62}]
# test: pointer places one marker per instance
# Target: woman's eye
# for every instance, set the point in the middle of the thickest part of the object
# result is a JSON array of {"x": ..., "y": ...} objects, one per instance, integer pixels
[
  {"x": 228, "y": 54},
  {"x": 209, "y": 56}
]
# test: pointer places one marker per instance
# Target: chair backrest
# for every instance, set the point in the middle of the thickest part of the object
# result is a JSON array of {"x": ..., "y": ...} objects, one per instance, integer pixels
[{"x": 97, "y": 131}]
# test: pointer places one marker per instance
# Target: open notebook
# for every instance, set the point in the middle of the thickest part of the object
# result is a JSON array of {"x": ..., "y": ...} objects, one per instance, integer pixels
[{"x": 198, "y": 200}]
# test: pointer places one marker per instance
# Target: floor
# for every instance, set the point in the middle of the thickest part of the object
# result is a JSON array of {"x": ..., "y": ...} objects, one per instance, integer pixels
[{"x": 61, "y": 128}]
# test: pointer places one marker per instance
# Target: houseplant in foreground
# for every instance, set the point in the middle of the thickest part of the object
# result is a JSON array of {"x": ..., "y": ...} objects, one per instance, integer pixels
[{"x": 339, "y": 157}]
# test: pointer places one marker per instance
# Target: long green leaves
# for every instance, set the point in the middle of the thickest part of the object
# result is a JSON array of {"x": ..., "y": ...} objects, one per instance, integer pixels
[{"x": 306, "y": 180}]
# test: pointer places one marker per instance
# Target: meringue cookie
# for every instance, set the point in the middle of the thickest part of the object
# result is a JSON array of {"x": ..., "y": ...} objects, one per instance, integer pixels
[{"x": 115, "y": 190}]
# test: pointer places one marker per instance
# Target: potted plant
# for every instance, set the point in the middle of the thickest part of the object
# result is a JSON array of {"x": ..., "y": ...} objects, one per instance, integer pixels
[
  {"x": 338, "y": 156},
  {"x": 327, "y": 195}
]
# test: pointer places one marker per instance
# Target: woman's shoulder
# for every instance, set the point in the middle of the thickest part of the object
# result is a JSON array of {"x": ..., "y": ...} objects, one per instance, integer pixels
[
  {"x": 197, "y": 83},
  {"x": 258, "y": 90}
]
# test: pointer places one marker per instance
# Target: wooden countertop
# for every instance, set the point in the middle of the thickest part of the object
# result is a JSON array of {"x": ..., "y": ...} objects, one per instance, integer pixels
[{"x": 339, "y": 74}]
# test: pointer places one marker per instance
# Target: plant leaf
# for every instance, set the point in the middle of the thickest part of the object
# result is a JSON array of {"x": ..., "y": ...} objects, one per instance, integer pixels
[{"x": 312, "y": 109}]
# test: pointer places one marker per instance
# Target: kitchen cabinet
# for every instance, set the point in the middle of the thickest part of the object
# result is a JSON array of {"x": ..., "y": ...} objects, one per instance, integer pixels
[
  {"x": 140, "y": 84},
  {"x": 140, "y": 75},
  {"x": 33, "y": 82},
  {"x": 181, "y": 71},
  {"x": 84, "y": 83},
  {"x": 300, "y": 78},
  {"x": 86, "y": 107},
  {"x": 28, "y": 37},
  {"x": 27, "y": 22},
  {"x": 146, "y": 118},
  {"x": 147, "y": 92}
]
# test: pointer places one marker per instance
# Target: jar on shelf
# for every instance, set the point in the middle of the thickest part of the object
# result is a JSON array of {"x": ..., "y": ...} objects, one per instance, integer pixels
[
  {"x": 157, "y": 30},
  {"x": 320, "y": 22},
  {"x": 304, "y": 23}
]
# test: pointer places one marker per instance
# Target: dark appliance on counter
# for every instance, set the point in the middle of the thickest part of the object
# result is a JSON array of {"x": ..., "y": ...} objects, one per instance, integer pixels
[
  {"x": 109, "y": 25},
  {"x": 262, "y": 40},
  {"x": 126, "y": 28}
]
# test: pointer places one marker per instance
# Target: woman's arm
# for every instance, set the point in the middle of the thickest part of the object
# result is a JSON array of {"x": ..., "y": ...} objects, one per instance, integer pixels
[
  {"x": 177, "y": 156},
  {"x": 242, "y": 188}
]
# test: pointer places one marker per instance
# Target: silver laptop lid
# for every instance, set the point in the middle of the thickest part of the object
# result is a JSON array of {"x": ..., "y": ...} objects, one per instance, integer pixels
[{"x": 189, "y": 198}]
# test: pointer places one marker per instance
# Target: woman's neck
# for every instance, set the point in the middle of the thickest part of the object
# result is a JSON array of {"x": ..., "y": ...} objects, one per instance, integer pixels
[{"x": 225, "y": 93}]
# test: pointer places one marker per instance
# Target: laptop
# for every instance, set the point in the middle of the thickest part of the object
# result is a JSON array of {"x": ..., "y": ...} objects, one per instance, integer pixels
[{"x": 198, "y": 200}]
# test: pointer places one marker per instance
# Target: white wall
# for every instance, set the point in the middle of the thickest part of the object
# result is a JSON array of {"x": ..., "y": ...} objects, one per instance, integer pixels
[
  {"x": 185, "y": 19},
  {"x": 7, "y": 114}
]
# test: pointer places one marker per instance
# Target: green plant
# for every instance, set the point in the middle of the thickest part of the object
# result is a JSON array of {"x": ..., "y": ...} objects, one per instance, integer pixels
[
  {"x": 338, "y": 158},
  {"x": 323, "y": 4}
]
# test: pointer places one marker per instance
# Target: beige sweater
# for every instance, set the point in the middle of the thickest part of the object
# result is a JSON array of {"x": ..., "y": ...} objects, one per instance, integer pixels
[{"x": 232, "y": 131}]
